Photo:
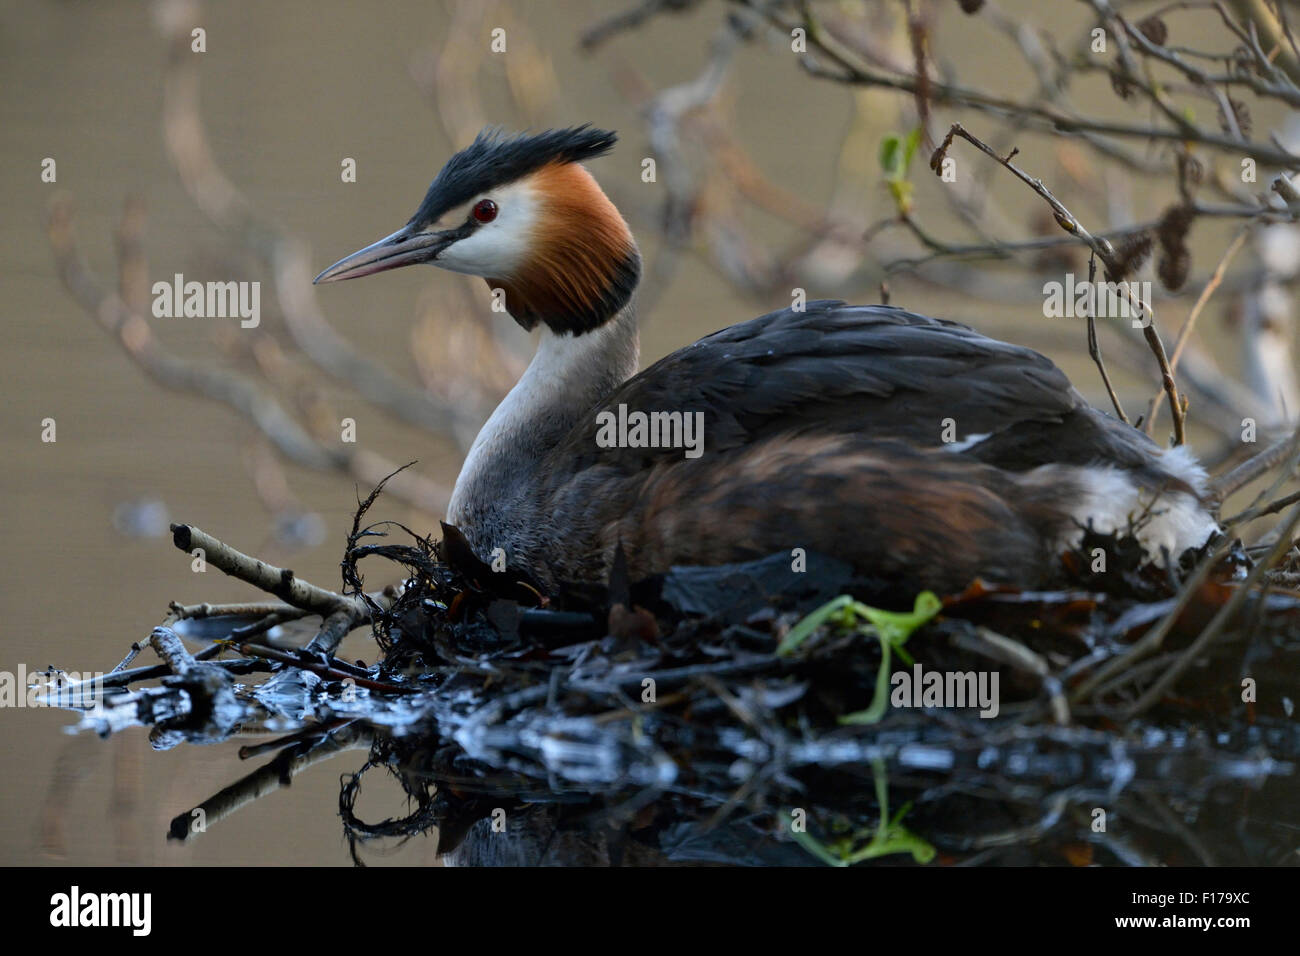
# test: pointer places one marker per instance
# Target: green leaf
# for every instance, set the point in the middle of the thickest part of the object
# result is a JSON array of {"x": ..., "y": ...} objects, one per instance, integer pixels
[
  {"x": 801, "y": 631},
  {"x": 897, "y": 626},
  {"x": 901, "y": 190},
  {"x": 889, "y": 147},
  {"x": 890, "y": 835},
  {"x": 909, "y": 148},
  {"x": 893, "y": 628},
  {"x": 815, "y": 847},
  {"x": 880, "y": 700},
  {"x": 896, "y": 153}
]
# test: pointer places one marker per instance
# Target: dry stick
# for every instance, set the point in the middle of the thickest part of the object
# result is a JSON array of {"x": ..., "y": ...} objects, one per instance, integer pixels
[
  {"x": 1253, "y": 467},
  {"x": 1220, "y": 620},
  {"x": 1285, "y": 188},
  {"x": 1010, "y": 651},
  {"x": 1154, "y": 638},
  {"x": 1186, "y": 331},
  {"x": 332, "y": 631},
  {"x": 1177, "y": 406},
  {"x": 1273, "y": 507},
  {"x": 1094, "y": 348},
  {"x": 280, "y": 582},
  {"x": 265, "y": 624},
  {"x": 340, "y": 613},
  {"x": 169, "y": 646},
  {"x": 124, "y": 678},
  {"x": 1103, "y": 249},
  {"x": 185, "y": 612},
  {"x": 1004, "y": 250},
  {"x": 322, "y": 670},
  {"x": 1064, "y": 218},
  {"x": 1036, "y": 118}
]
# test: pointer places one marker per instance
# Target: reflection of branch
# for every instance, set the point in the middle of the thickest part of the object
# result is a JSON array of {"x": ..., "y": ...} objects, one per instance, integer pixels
[{"x": 271, "y": 776}]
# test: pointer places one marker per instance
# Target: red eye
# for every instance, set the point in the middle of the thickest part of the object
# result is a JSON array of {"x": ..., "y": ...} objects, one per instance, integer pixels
[{"x": 485, "y": 210}]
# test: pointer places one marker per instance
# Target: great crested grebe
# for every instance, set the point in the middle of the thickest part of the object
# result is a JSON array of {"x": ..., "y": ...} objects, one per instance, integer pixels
[{"x": 823, "y": 428}]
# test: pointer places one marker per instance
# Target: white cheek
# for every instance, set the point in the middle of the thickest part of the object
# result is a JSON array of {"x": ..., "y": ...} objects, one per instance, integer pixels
[{"x": 499, "y": 248}]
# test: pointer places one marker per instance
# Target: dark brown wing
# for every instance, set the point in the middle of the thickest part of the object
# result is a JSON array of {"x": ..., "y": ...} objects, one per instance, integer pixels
[{"x": 875, "y": 371}]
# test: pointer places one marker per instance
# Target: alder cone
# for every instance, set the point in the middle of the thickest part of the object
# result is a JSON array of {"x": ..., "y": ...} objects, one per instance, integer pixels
[
  {"x": 1155, "y": 30},
  {"x": 1173, "y": 267},
  {"x": 1131, "y": 253}
]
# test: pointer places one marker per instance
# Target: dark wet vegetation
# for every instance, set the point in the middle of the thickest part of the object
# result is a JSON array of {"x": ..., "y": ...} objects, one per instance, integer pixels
[{"x": 733, "y": 714}]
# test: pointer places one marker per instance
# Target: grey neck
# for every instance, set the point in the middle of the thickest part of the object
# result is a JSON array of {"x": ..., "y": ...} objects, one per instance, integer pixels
[{"x": 568, "y": 375}]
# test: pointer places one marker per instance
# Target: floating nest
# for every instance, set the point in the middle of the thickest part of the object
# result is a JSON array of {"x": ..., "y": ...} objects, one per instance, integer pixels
[{"x": 768, "y": 712}]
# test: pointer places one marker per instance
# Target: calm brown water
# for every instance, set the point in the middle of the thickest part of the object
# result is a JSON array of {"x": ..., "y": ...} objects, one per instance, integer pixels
[{"x": 288, "y": 89}]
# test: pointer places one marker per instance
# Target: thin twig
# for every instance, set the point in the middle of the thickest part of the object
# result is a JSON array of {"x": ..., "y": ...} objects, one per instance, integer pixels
[
  {"x": 1100, "y": 247},
  {"x": 1186, "y": 331},
  {"x": 1094, "y": 348},
  {"x": 1157, "y": 690},
  {"x": 1260, "y": 511},
  {"x": 1250, "y": 469}
]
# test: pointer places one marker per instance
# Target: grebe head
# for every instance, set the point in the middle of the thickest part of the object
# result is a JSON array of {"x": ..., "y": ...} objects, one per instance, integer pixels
[{"x": 521, "y": 212}]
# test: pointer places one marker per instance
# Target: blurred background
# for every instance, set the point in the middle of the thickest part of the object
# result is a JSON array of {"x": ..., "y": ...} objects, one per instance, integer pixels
[{"x": 226, "y": 165}]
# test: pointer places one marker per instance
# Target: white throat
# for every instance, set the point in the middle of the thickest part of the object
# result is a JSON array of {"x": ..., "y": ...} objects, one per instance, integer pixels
[{"x": 567, "y": 376}]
